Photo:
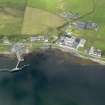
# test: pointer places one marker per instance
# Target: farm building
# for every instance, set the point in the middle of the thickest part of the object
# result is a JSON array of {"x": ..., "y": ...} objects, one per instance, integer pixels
[
  {"x": 38, "y": 38},
  {"x": 69, "y": 15},
  {"x": 85, "y": 25}
]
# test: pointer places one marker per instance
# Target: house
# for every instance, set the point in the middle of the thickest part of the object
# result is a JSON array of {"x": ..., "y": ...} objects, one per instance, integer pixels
[
  {"x": 70, "y": 41},
  {"x": 66, "y": 33},
  {"x": 69, "y": 15},
  {"x": 46, "y": 39},
  {"x": 81, "y": 43},
  {"x": 95, "y": 52},
  {"x": 6, "y": 41},
  {"x": 85, "y": 25},
  {"x": 38, "y": 38},
  {"x": 35, "y": 38}
]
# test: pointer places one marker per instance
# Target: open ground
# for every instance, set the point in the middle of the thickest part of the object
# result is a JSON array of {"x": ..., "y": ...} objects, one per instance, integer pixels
[{"x": 37, "y": 16}]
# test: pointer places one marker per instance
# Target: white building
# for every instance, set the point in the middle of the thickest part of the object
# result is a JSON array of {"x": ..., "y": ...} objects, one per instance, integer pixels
[
  {"x": 85, "y": 25},
  {"x": 68, "y": 41},
  {"x": 82, "y": 43},
  {"x": 95, "y": 52},
  {"x": 33, "y": 39},
  {"x": 69, "y": 15},
  {"x": 38, "y": 38},
  {"x": 46, "y": 39},
  {"x": 6, "y": 41}
]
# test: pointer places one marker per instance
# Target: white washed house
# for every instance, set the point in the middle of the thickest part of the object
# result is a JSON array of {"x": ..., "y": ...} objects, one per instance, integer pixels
[{"x": 95, "y": 52}]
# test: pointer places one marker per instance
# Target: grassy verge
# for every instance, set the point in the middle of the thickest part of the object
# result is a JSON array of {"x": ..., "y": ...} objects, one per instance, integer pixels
[{"x": 4, "y": 48}]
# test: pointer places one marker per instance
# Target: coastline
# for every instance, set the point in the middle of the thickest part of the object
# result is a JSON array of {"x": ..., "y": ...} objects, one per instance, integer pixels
[
  {"x": 77, "y": 54},
  {"x": 62, "y": 48},
  {"x": 8, "y": 54}
]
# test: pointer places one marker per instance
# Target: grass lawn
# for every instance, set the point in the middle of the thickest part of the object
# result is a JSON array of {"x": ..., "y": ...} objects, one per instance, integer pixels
[
  {"x": 38, "y": 21},
  {"x": 4, "y": 48},
  {"x": 11, "y": 16},
  {"x": 40, "y": 16},
  {"x": 78, "y": 6}
]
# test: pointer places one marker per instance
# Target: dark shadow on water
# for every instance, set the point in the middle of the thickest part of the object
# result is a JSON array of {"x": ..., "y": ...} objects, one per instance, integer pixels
[{"x": 54, "y": 78}]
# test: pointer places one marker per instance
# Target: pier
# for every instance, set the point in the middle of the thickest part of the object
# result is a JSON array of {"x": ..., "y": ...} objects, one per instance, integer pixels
[{"x": 19, "y": 50}]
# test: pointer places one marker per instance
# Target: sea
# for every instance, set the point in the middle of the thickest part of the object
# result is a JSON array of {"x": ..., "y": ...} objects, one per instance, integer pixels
[{"x": 52, "y": 77}]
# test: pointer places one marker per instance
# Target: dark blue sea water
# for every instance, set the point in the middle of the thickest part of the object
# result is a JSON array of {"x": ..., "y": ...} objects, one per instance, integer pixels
[{"x": 54, "y": 78}]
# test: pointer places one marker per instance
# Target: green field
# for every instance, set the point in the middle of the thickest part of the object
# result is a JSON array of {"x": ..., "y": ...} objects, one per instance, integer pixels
[
  {"x": 11, "y": 16},
  {"x": 40, "y": 15},
  {"x": 48, "y": 5},
  {"x": 37, "y": 21},
  {"x": 62, "y": 5}
]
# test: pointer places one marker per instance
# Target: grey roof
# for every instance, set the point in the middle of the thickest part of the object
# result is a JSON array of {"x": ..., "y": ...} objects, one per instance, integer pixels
[
  {"x": 69, "y": 15},
  {"x": 70, "y": 41},
  {"x": 85, "y": 25}
]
